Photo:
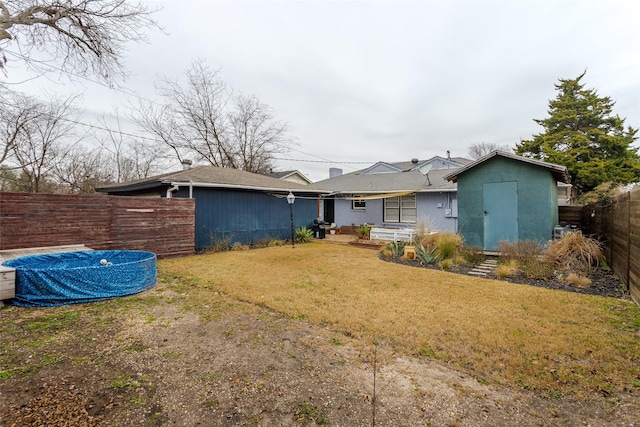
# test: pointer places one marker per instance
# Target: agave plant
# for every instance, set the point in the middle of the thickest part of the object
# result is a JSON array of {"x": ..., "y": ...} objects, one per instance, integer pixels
[
  {"x": 304, "y": 235},
  {"x": 426, "y": 256}
]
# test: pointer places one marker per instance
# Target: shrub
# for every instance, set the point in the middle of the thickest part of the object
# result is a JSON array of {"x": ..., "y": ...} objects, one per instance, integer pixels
[
  {"x": 578, "y": 281},
  {"x": 507, "y": 269},
  {"x": 362, "y": 232},
  {"x": 575, "y": 252},
  {"x": 426, "y": 256},
  {"x": 520, "y": 250},
  {"x": 536, "y": 268},
  {"x": 393, "y": 249},
  {"x": 446, "y": 264},
  {"x": 237, "y": 246},
  {"x": 304, "y": 235},
  {"x": 473, "y": 254},
  {"x": 447, "y": 244}
]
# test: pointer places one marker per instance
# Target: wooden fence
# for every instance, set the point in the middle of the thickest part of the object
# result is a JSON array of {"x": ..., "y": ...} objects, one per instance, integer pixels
[
  {"x": 163, "y": 226},
  {"x": 617, "y": 225}
]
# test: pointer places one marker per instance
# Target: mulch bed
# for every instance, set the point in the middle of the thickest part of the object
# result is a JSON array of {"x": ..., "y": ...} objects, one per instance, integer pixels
[{"x": 603, "y": 283}]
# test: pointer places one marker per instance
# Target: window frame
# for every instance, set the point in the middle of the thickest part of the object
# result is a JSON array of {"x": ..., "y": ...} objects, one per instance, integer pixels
[
  {"x": 363, "y": 206},
  {"x": 401, "y": 207}
]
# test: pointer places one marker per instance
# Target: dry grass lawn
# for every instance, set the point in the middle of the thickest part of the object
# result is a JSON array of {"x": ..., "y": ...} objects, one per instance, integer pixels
[{"x": 554, "y": 342}]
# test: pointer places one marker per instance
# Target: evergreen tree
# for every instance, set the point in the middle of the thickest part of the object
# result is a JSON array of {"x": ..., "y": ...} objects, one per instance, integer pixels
[{"x": 582, "y": 134}]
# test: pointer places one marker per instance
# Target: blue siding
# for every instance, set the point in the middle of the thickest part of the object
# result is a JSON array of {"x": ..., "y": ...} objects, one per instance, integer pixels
[{"x": 245, "y": 216}]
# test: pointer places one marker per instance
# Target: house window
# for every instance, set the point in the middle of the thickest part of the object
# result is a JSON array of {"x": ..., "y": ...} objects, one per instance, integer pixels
[
  {"x": 358, "y": 205},
  {"x": 400, "y": 209}
]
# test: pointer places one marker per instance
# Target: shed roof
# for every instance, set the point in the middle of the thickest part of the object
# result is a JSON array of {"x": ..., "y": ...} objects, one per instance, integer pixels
[
  {"x": 211, "y": 176},
  {"x": 559, "y": 172}
]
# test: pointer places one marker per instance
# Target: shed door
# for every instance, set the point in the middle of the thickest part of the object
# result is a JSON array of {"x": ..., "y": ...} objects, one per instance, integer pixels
[{"x": 500, "y": 203}]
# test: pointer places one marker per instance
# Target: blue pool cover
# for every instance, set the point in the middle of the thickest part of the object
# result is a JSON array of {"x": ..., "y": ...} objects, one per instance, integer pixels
[{"x": 78, "y": 277}]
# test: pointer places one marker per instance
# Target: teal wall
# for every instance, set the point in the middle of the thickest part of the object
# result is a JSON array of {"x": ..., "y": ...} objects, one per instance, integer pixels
[{"x": 537, "y": 199}]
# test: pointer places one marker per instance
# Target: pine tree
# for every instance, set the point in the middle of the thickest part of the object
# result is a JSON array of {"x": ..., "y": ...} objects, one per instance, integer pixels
[{"x": 582, "y": 134}]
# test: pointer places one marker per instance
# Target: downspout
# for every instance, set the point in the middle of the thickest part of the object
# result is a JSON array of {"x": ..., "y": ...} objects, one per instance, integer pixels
[
  {"x": 171, "y": 190},
  {"x": 190, "y": 189}
]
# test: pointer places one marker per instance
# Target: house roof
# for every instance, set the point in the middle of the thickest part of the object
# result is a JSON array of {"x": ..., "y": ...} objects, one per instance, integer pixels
[
  {"x": 560, "y": 173},
  {"x": 211, "y": 176},
  {"x": 287, "y": 174},
  {"x": 410, "y": 176}
]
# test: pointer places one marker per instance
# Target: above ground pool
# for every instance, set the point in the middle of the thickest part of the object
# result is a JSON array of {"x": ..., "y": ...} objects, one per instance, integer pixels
[{"x": 78, "y": 277}]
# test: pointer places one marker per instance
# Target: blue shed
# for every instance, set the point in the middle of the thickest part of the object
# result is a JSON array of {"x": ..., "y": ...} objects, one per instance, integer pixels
[
  {"x": 502, "y": 196},
  {"x": 231, "y": 205}
]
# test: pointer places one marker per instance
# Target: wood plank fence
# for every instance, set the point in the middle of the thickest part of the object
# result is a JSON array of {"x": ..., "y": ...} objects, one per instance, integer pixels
[
  {"x": 617, "y": 225},
  {"x": 163, "y": 226}
]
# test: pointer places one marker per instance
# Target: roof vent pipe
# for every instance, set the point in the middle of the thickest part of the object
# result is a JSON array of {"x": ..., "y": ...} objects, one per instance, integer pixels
[
  {"x": 186, "y": 164},
  {"x": 414, "y": 161}
]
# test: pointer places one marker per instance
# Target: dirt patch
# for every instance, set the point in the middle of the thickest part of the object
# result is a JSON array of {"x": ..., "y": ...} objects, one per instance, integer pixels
[{"x": 149, "y": 360}]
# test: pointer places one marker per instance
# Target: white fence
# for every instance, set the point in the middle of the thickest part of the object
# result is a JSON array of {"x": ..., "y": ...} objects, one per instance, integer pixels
[{"x": 394, "y": 234}]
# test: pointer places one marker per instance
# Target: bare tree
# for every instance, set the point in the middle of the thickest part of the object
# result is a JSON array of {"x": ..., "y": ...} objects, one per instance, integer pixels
[
  {"x": 483, "y": 148},
  {"x": 80, "y": 170},
  {"x": 79, "y": 36},
  {"x": 255, "y": 134},
  {"x": 202, "y": 120},
  {"x": 17, "y": 112},
  {"x": 41, "y": 142},
  {"x": 127, "y": 158}
]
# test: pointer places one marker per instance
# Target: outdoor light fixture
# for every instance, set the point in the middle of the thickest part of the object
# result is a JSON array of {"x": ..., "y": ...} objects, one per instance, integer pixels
[{"x": 290, "y": 199}]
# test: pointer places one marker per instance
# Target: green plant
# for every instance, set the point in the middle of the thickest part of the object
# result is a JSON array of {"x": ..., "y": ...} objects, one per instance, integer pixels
[
  {"x": 536, "y": 268},
  {"x": 363, "y": 231},
  {"x": 446, "y": 264},
  {"x": 304, "y": 235},
  {"x": 393, "y": 249},
  {"x": 309, "y": 412},
  {"x": 426, "y": 256},
  {"x": 446, "y": 243}
]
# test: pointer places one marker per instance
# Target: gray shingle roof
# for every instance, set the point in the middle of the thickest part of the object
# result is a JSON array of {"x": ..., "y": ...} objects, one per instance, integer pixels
[
  {"x": 408, "y": 179},
  {"x": 211, "y": 175}
]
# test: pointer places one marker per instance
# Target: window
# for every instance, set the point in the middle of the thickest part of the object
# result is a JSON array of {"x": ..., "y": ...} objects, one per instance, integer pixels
[
  {"x": 358, "y": 205},
  {"x": 400, "y": 209}
]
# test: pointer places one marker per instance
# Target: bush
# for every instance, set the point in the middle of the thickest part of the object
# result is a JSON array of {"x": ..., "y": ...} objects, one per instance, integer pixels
[
  {"x": 536, "y": 268},
  {"x": 575, "y": 253},
  {"x": 578, "y": 281},
  {"x": 426, "y": 256},
  {"x": 473, "y": 254},
  {"x": 446, "y": 264},
  {"x": 393, "y": 249},
  {"x": 363, "y": 232},
  {"x": 304, "y": 235},
  {"x": 507, "y": 269},
  {"x": 447, "y": 244},
  {"x": 519, "y": 251}
]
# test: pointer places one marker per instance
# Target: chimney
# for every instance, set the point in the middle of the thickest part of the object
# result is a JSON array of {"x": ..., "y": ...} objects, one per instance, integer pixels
[
  {"x": 186, "y": 164},
  {"x": 333, "y": 172}
]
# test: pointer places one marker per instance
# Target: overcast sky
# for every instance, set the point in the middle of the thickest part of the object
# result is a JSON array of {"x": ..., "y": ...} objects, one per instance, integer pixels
[{"x": 365, "y": 81}]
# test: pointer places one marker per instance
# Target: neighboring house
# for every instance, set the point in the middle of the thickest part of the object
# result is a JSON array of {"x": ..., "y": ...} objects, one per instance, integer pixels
[
  {"x": 291, "y": 176},
  {"x": 231, "y": 205},
  {"x": 394, "y": 195},
  {"x": 502, "y": 196}
]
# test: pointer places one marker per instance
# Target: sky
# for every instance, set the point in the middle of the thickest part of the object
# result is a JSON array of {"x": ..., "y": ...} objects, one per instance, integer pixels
[{"x": 359, "y": 82}]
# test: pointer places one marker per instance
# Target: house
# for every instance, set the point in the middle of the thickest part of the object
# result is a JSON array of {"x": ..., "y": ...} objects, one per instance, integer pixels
[
  {"x": 291, "y": 176},
  {"x": 231, "y": 205},
  {"x": 394, "y": 195},
  {"x": 502, "y": 196}
]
